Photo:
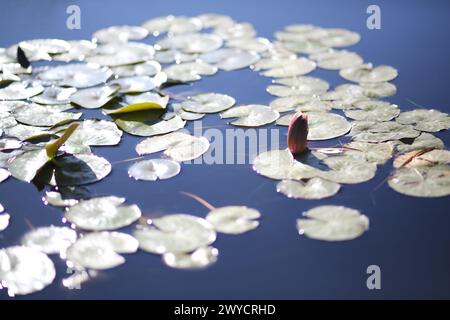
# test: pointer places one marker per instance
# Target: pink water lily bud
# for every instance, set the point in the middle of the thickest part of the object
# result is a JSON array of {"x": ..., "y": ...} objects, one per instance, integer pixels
[{"x": 298, "y": 133}]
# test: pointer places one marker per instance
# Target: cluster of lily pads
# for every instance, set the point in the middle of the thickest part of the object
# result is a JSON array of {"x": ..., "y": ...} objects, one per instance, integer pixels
[{"x": 47, "y": 137}]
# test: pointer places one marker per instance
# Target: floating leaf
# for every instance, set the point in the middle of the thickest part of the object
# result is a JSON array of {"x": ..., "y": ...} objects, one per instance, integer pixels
[
  {"x": 102, "y": 213},
  {"x": 373, "y": 110},
  {"x": 378, "y": 153},
  {"x": 4, "y": 174},
  {"x": 20, "y": 91},
  {"x": 191, "y": 43},
  {"x": 177, "y": 145},
  {"x": 424, "y": 157},
  {"x": 302, "y": 86},
  {"x": 120, "y": 34},
  {"x": 425, "y": 120},
  {"x": 346, "y": 169},
  {"x": 208, "y": 103},
  {"x": 25, "y": 166},
  {"x": 43, "y": 116},
  {"x": 252, "y": 115},
  {"x": 322, "y": 125},
  {"x": 50, "y": 240},
  {"x": 375, "y": 132},
  {"x": 333, "y": 223},
  {"x": 40, "y": 49},
  {"x": 314, "y": 189},
  {"x": 54, "y": 96},
  {"x": 189, "y": 71},
  {"x": 100, "y": 250},
  {"x": 280, "y": 164},
  {"x": 425, "y": 140},
  {"x": 25, "y": 270},
  {"x": 200, "y": 258},
  {"x": 147, "y": 68},
  {"x": 424, "y": 182},
  {"x": 119, "y": 54},
  {"x": 148, "y": 124},
  {"x": 175, "y": 233},
  {"x": 229, "y": 59},
  {"x": 292, "y": 68},
  {"x": 154, "y": 169},
  {"x": 78, "y": 75},
  {"x": 139, "y": 83},
  {"x": 234, "y": 219},
  {"x": 94, "y": 98},
  {"x": 369, "y": 74},
  {"x": 337, "y": 59}
]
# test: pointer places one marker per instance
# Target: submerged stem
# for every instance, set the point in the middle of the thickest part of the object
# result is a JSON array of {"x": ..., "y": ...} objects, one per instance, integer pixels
[{"x": 202, "y": 201}]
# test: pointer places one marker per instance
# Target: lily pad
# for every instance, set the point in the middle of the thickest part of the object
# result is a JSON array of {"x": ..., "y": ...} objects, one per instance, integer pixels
[
  {"x": 373, "y": 110},
  {"x": 177, "y": 145},
  {"x": 25, "y": 166},
  {"x": 4, "y": 174},
  {"x": 208, "y": 103},
  {"x": 175, "y": 233},
  {"x": 54, "y": 96},
  {"x": 229, "y": 59},
  {"x": 314, "y": 189},
  {"x": 369, "y": 74},
  {"x": 94, "y": 98},
  {"x": 333, "y": 223},
  {"x": 18, "y": 277},
  {"x": 139, "y": 84},
  {"x": 199, "y": 259},
  {"x": 337, "y": 59},
  {"x": 425, "y": 140},
  {"x": 101, "y": 250},
  {"x": 119, "y": 54},
  {"x": 425, "y": 120},
  {"x": 424, "y": 157},
  {"x": 234, "y": 219},
  {"x": 20, "y": 91},
  {"x": 154, "y": 169},
  {"x": 102, "y": 213},
  {"x": 147, "y": 68},
  {"x": 191, "y": 43},
  {"x": 253, "y": 115},
  {"x": 43, "y": 116},
  {"x": 348, "y": 170},
  {"x": 119, "y": 34},
  {"x": 148, "y": 124},
  {"x": 291, "y": 68},
  {"x": 424, "y": 182},
  {"x": 189, "y": 71},
  {"x": 303, "y": 86},
  {"x": 78, "y": 75},
  {"x": 50, "y": 240},
  {"x": 378, "y": 153}
]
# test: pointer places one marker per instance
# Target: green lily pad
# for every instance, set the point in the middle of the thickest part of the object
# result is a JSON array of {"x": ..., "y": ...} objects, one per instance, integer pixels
[{"x": 148, "y": 124}]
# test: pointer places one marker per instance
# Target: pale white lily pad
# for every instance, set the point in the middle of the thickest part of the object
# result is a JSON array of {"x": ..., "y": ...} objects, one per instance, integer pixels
[
  {"x": 250, "y": 44},
  {"x": 291, "y": 68},
  {"x": 43, "y": 116},
  {"x": 175, "y": 233},
  {"x": 154, "y": 169},
  {"x": 333, "y": 223},
  {"x": 139, "y": 84},
  {"x": 25, "y": 270},
  {"x": 119, "y": 54},
  {"x": 94, "y": 98},
  {"x": 301, "y": 86},
  {"x": 55, "y": 198},
  {"x": 208, "y": 103},
  {"x": 171, "y": 56},
  {"x": 369, "y": 131},
  {"x": 368, "y": 73},
  {"x": 177, "y": 145},
  {"x": 102, "y": 213},
  {"x": 20, "y": 91},
  {"x": 54, "y": 95},
  {"x": 40, "y": 49},
  {"x": 79, "y": 49},
  {"x": 337, "y": 59},
  {"x": 23, "y": 132},
  {"x": 373, "y": 110},
  {"x": 191, "y": 43},
  {"x": 229, "y": 59},
  {"x": 314, "y": 189},
  {"x": 199, "y": 259},
  {"x": 348, "y": 170},
  {"x": 147, "y": 68},
  {"x": 280, "y": 164},
  {"x": 119, "y": 34},
  {"x": 4, "y": 221},
  {"x": 50, "y": 240},
  {"x": 4, "y": 174},
  {"x": 25, "y": 166},
  {"x": 234, "y": 219},
  {"x": 424, "y": 182},
  {"x": 378, "y": 153},
  {"x": 78, "y": 75},
  {"x": 424, "y": 157},
  {"x": 189, "y": 71},
  {"x": 100, "y": 250},
  {"x": 253, "y": 115},
  {"x": 425, "y": 120}
]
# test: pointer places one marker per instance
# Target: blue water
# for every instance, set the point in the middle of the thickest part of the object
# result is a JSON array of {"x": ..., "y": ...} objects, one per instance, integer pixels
[{"x": 409, "y": 237}]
